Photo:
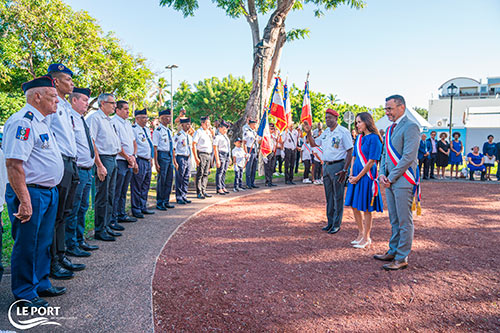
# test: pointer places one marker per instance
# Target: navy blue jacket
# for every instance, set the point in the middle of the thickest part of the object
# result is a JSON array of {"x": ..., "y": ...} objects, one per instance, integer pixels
[{"x": 422, "y": 149}]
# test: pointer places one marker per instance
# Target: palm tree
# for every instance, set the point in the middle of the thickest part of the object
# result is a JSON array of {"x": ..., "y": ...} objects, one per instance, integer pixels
[{"x": 160, "y": 92}]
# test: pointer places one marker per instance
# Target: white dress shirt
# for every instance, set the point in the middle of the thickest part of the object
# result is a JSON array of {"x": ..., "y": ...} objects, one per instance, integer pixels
[
  {"x": 83, "y": 157},
  {"x": 32, "y": 142},
  {"x": 290, "y": 139},
  {"x": 203, "y": 141},
  {"x": 143, "y": 145},
  {"x": 161, "y": 138},
  {"x": 239, "y": 155},
  {"x": 103, "y": 133},
  {"x": 62, "y": 124},
  {"x": 222, "y": 143},
  {"x": 125, "y": 133},
  {"x": 335, "y": 144},
  {"x": 249, "y": 136},
  {"x": 182, "y": 144}
]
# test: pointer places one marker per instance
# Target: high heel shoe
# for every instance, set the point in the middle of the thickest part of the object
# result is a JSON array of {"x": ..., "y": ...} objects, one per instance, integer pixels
[{"x": 364, "y": 245}]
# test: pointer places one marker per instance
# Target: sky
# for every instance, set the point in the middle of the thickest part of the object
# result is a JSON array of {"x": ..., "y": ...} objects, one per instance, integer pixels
[{"x": 391, "y": 46}]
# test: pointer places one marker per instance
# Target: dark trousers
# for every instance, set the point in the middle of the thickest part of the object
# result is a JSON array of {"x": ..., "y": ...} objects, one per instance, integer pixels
[
  {"x": 30, "y": 260},
  {"x": 425, "y": 163},
  {"x": 251, "y": 168},
  {"x": 289, "y": 164},
  {"x": 66, "y": 189},
  {"x": 297, "y": 161},
  {"x": 269, "y": 168},
  {"x": 165, "y": 179},
  {"x": 105, "y": 193},
  {"x": 220, "y": 176},
  {"x": 334, "y": 192},
  {"x": 279, "y": 162},
  {"x": 139, "y": 186},
  {"x": 1, "y": 247},
  {"x": 123, "y": 177},
  {"x": 307, "y": 168},
  {"x": 202, "y": 172},
  {"x": 182, "y": 177},
  {"x": 75, "y": 223},
  {"x": 318, "y": 170},
  {"x": 432, "y": 163},
  {"x": 238, "y": 177}
]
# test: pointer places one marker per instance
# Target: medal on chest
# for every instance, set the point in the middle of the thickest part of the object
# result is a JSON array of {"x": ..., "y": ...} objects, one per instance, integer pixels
[{"x": 45, "y": 141}]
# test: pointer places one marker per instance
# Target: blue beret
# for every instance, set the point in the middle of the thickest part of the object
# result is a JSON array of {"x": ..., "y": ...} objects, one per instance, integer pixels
[
  {"x": 140, "y": 112},
  {"x": 83, "y": 91},
  {"x": 42, "y": 81},
  {"x": 59, "y": 68},
  {"x": 185, "y": 120},
  {"x": 164, "y": 112},
  {"x": 224, "y": 123},
  {"x": 237, "y": 139},
  {"x": 251, "y": 121},
  {"x": 203, "y": 118}
]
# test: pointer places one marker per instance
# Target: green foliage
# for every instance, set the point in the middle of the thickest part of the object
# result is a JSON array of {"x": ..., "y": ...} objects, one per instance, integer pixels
[
  {"x": 36, "y": 33},
  {"x": 10, "y": 103},
  {"x": 295, "y": 34},
  {"x": 421, "y": 111}
]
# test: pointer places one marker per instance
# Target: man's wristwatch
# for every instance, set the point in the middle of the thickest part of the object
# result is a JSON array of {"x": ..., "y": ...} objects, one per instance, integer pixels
[{"x": 344, "y": 170}]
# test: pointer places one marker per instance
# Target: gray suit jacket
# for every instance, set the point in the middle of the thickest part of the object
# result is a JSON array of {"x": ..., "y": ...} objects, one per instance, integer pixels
[{"x": 406, "y": 140}]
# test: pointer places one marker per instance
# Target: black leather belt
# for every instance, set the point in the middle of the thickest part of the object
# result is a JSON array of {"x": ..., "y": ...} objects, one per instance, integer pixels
[
  {"x": 107, "y": 155},
  {"x": 84, "y": 168},
  {"x": 39, "y": 186},
  {"x": 142, "y": 158},
  {"x": 333, "y": 162},
  {"x": 67, "y": 158},
  {"x": 203, "y": 152}
]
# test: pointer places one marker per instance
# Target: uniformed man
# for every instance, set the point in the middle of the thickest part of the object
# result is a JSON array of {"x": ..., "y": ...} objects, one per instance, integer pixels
[
  {"x": 75, "y": 223},
  {"x": 270, "y": 160},
  {"x": 290, "y": 139},
  {"x": 107, "y": 146},
  {"x": 125, "y": 162},
  {"x": 141, "y": 179},
  {"x": 222, "y": 149},
  {"x": 182, "y": 153},
  {"x": 250, "y": 146},
  {"x": 62, "y": 124},
  {"x": 35, "y": 167},
  {"x": 202, "y": 153},
  {"x": 164, "y": 160},
  {"x": 3, "y": 183}
]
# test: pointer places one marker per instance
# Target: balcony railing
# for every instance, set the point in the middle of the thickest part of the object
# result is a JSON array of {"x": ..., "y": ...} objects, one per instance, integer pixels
[{"x": 472, "y": 95}]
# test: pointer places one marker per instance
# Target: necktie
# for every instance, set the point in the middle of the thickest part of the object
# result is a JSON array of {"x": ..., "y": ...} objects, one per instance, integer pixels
[
  {"x": 188, "y": 144},
  {"x": 392, "y": 128},
  {"x": 149, "y": 141},
  {"x": 87, "y": 133},
  {"x": 170, "y": 142}
]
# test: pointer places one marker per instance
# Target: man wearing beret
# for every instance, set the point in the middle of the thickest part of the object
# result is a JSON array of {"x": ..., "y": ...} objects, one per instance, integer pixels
[
  {"x": 75, "y": 223},
  {"x": 62, "y": 125},
  {"x": 34, "y": 167},
  {"x": 107, "y": 146},
  {"x": 202, "y": 153},
  {"x": 164, "y": 160},
  {"x": 251, "y": 148},
  {"x": 182, "y": 153},
  {"x": 336, "y": 144},
  {"x": 141, "y": 180},
  {"x": 125, "y": 161},
  {"x": 222, "y": 152}
]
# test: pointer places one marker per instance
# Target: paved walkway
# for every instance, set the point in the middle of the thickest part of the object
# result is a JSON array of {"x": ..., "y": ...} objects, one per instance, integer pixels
[{"x": 114, "y": 293}]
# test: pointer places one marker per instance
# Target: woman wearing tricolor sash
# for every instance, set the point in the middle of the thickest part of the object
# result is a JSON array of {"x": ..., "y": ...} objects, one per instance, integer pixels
[{"x": 363, "y": 192}]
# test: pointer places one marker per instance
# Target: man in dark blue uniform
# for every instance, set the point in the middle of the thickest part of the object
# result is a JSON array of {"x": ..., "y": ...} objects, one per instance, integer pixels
[
  {"x": 34, "y": 167},
  {"x": 182, "y": 150}
]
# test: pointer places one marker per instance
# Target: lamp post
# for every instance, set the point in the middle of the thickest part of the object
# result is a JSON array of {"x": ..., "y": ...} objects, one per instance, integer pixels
[
  {"x": 171, "y": 67},
  {"x": 452, "y": 90}
]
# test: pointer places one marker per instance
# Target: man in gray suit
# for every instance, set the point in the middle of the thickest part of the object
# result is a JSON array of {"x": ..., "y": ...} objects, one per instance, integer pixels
[{"x": 405, "y": 139}]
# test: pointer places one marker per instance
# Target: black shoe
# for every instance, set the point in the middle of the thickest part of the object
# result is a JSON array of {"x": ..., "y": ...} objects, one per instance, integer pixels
[
  {"x": 36, "y": 302},
  {"x": 113, "y": 233},
  {"x": 206, "y": 195},
  {"x": 77, "y": 252},
  {"x": 328, "y": 227},
  {"x": 148, "y": 212},
  {"x": 57, "y": 272},
  {"x": 273, "y": 184},
  {"x": 221, "y": 193},
  {"x": 242, "y": 189},
  {"x": 334, "y": 230},
  {"x": 161, "y": 207},
  {"x": 66, "y": 263},
  {"x": 138, "y": 215},
  {"x": 127, "y": 219},
  {"x": 287, "y": 182},
  {"x": 169, "y": 205},
  {"x": 187, "y": 201},
  {"x": 181, "y": 202},
  {"x": 104, "y": 236},
  {"x": 87, "y": 247},
  {"x": 255, "y": 186},
  {"x": 117, "y": 227},
  {"x": 52, "y": 292},
  {"x": 432, "y": 177},
  {"x": 291, "y": 183},
  {"x": 200, "y": 196}
]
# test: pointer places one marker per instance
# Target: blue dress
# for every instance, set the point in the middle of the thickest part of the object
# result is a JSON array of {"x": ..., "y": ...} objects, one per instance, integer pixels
[
  {"x": 454, "y": 159},
  {"x": 359, "y": 195},
  {"x": 476, "y": 159}
]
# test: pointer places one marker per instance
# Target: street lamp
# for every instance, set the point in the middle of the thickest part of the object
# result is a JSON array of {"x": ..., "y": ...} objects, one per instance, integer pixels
[
  {"x": 171, "y": 67},
  {"x": 452, "y": 90}
]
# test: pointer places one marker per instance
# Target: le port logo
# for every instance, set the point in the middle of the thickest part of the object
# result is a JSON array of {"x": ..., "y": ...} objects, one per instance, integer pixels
[{"x": 23, "y": 317}]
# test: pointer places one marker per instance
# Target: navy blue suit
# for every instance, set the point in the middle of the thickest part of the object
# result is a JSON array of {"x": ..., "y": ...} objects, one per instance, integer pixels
[
  {"x": 422, "y": 159},
  {"x": 431, "y": 159}
]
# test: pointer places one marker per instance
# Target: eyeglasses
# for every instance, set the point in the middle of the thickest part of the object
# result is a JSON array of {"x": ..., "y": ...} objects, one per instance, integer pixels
[{"x": 389, "y": 109}]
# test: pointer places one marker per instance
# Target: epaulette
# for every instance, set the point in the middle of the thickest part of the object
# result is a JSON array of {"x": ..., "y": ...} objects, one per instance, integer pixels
[
  {"x": 29, "y": 115},
  {"x": 158, "y": 129},
  {"x": 134, "y": 125}
]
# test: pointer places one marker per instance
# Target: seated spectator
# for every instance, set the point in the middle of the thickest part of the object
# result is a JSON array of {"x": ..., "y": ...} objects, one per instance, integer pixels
[
  {"x": 489, "y": 151},
  {"x": 476, "y": 163}
]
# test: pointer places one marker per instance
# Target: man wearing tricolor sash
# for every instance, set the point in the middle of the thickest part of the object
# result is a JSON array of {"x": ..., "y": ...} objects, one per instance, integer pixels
[{"x": 400, "y": 176}]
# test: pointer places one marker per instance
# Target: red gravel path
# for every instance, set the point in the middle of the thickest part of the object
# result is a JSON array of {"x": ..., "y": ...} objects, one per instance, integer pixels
[{"x": 261, "y": 263}]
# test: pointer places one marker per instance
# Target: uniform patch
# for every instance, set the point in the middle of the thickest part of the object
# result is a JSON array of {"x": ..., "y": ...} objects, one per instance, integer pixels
[
  {"x": 29, "y": 115},
  {"x": 23, "y": 133}
]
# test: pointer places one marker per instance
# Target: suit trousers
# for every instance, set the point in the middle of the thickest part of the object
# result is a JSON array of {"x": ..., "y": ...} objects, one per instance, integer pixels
[
  {"x": 251, "y": 169},
  {"x": 424, "y": 162},
  {"x": 334, "y": 192},
  {"x": 139, "y": 186},
  {"x": 123, "y": 177},
  {"x": 66, "y": 188},
  {"x": 182, "y": 177},
  {"x": 202, "y": 172},
  {"x": 269, "y": 168},
  {"x": 432, "y": 163},
  {"x": 399, "y": 202},
  {"x": 1, "y": 247},
  {"x": 165, "y": 179},
  {"x": 220, "y": 176},
  {"x": 75, "y": 223},
  {"x": 289, "y": 164},
  {"x": 105, "y": 194}
]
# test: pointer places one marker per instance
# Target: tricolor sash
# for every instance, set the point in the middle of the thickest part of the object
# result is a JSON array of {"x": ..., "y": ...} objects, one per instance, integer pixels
[
  {"x": 410, "y": 175},
  {"x": 362, "y": 158}
]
